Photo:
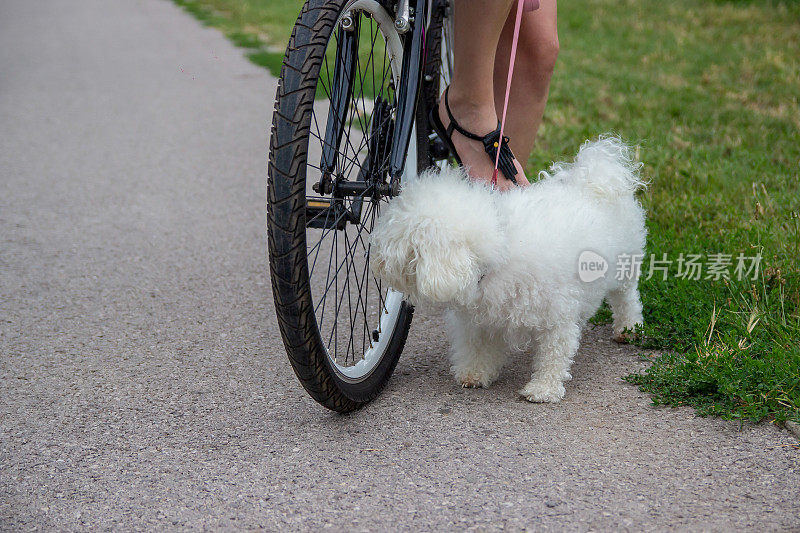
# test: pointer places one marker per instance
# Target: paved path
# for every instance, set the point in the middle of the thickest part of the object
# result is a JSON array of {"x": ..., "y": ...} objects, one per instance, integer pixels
[{"x": 142, "y": 380}]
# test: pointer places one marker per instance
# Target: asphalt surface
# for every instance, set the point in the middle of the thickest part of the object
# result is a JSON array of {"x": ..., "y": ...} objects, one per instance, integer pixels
[{"x": 143, "y": 384}]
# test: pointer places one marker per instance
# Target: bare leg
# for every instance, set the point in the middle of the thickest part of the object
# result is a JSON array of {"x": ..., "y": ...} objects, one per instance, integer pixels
[
  {"x": 537, "y": 50},
  {"x": 555, "y": 351},
  {"x": 477, "y": 26}
]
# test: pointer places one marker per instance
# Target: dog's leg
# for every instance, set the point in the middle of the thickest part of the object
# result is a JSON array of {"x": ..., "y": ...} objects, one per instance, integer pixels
[
  {"x": 477, "y": 354},
  {"x": 627, "y": 309},
  {"x": 553, "y": 356}
]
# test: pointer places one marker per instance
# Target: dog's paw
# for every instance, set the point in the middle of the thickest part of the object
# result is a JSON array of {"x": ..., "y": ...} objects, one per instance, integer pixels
[
  {"x": 543, "y": 391},
  {"x": 475, "y": 376},
  {"x": 473, "y": 380},
  {"x": 628, "y": 333}
]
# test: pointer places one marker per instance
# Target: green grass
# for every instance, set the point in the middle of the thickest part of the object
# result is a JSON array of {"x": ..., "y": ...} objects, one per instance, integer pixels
[{"x": 709, "y": 91}]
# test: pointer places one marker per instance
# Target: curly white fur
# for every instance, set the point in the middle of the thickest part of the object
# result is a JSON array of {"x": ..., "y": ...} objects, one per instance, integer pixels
[{"x": 506, "y": 264}]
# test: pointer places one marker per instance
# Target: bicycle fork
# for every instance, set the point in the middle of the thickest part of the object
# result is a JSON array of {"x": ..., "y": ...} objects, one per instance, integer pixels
[
  {"x": 412, "y": 23},
  {"x": 410, "y": 81}
]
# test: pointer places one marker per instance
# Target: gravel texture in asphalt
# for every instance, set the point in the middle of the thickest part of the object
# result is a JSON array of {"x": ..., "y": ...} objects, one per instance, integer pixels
[{"x": 143, "y": 383}]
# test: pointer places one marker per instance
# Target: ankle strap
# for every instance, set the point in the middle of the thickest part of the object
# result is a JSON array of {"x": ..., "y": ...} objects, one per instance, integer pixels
[{"x": 455, "y": 125}]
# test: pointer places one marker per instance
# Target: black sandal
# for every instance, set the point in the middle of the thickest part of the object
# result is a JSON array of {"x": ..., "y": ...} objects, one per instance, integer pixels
[{"x": 490, "y": 140}]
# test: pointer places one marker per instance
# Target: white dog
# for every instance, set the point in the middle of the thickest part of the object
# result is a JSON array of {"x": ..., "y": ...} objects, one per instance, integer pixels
[{"x": 507, "y": 264}]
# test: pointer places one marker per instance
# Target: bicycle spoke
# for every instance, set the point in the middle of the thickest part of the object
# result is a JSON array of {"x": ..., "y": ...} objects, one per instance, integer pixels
[
  {"x": 327, "y": 230},
  {"x": 328, "y": 285},
  {"x": 352, "y": 311}
]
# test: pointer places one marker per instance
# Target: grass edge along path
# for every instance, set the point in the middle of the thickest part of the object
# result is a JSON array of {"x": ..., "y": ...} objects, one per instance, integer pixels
[{"x": 262, "y": 28}]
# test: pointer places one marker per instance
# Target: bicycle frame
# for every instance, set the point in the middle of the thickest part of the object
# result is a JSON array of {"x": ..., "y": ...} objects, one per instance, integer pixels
[{"x": 412, "y": 23}]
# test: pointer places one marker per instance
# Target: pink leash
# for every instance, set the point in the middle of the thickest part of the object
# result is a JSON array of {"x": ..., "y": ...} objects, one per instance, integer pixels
[{"x": 522, "y": 5}]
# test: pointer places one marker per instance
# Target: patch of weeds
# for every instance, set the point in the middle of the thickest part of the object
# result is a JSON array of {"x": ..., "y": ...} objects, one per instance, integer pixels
[
  {"x": 744, "y": 365},
  {"x": 720, "y": 379}
]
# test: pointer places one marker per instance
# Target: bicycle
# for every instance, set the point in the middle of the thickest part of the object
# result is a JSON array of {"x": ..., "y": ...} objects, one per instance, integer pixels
[{"x": 349, "y": 127}]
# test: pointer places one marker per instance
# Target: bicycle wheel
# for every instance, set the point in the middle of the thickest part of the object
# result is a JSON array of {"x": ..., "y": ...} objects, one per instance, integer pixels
[
  {"x": 343, "y": 329},
  {"x": 437, "y": 71}
]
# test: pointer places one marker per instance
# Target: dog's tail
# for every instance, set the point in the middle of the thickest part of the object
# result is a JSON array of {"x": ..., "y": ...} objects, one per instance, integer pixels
[{"x": 605, "y": 167}]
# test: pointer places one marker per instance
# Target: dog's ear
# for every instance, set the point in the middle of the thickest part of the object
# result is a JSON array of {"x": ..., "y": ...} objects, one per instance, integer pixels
[
  {"x": 389, "y": 257},
  {"x": 446, "y": 273},
  {"x": 430, "y": 241}
]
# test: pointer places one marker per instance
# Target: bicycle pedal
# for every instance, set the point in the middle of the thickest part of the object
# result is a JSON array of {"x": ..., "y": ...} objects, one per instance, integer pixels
[{"x": 325, "y": 214}]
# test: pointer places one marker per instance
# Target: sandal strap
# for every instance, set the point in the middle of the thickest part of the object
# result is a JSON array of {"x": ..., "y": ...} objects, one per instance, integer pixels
[
  {"x": 490, "y": 141},
  {"x": 454, "y": 123}
]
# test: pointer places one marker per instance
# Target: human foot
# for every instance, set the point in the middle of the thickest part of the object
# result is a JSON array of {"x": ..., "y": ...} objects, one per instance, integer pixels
[{"x": 474, "y": 158}]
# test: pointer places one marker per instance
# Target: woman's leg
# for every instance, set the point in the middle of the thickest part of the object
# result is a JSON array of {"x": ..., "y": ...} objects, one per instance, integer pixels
[
  {"x": 477, "y": 26},
  {"x": 537, "y": 50}
]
